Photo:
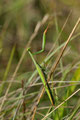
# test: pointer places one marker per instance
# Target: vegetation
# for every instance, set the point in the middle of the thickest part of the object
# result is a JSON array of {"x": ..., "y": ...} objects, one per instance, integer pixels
[{"x": 22, "y": 93}]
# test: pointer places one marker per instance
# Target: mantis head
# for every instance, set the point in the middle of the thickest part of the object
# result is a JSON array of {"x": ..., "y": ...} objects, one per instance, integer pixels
[{"x": 28, "y": 49}]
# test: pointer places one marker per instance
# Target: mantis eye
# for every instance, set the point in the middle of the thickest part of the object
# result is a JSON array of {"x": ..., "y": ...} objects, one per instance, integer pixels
[{"x": 28, "y": 49}]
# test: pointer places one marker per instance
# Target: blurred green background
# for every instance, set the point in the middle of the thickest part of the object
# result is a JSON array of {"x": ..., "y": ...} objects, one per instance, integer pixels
[{"x": 18, "y": 20}]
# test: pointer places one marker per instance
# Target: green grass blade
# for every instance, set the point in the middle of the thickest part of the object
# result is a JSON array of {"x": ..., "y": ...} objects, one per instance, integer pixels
[
  {"x": 7, "y": 69},
  {"x": 74, "y": 112}
]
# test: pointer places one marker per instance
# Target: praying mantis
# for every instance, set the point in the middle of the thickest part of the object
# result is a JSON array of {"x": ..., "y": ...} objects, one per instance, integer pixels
[{"x": 40, "y": 70}]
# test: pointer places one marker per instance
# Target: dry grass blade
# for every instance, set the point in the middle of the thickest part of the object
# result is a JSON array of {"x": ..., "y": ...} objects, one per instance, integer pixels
[
  {"x": 23, "y": 104},
  {"x": 61, "y": 31},
  {"x": 61, "y": 103},
  {"x": 62, "y": 51}
]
